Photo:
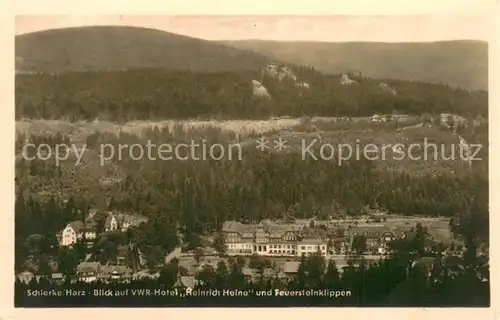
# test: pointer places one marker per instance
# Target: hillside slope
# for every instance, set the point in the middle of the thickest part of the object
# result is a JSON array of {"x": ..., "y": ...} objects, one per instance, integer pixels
[
  {"x": 457, "y": 63},
  {"x": 118, "y": 48}
]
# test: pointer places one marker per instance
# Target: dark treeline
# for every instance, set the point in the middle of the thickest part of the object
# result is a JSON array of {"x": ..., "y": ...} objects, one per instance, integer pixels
[
  {"x": 201, "y": 195},
  {"x": 156, "y": 94},
  {"x": 393, "y": 281}
]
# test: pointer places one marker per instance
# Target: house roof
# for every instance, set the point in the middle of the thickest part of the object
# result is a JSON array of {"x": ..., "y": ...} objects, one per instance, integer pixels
[
  {"x": 88, "y": 267},
  {"x": 235, "y": 226},
  {"x": 144, "y": 274},
  {"x": 186, "y": 281},
  {"x": 107, "y": 270},
  {"x": 315, "y": 241},
  {"x": 249, "y": 230},
  {"x": 77, "y": 226},
  {"x": 132, "y": 219},
  {"x": 370, "y": 231}
]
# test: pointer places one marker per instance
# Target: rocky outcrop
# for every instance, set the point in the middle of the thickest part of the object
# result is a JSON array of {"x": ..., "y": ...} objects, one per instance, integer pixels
[
  {"x": 385, "y": 87},
  {"x": 280, "y": 72},
  {"x": 259, "y": 90},
  {"x": 345, "y": 80}
]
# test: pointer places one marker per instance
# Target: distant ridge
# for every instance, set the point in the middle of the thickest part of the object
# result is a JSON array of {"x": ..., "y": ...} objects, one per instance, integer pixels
[
  {"x": 119, "y": 48},
  {"x": 461, "y": 63}
]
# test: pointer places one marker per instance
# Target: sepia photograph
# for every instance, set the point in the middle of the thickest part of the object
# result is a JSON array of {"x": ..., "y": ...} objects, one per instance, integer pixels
[{"x": 251, "y": 161}]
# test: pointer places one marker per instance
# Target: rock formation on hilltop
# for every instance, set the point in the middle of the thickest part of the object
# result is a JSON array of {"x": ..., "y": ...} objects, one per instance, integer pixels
[
  {"x": 345, "y": 80},
  {"x": 259, "y": 90}
]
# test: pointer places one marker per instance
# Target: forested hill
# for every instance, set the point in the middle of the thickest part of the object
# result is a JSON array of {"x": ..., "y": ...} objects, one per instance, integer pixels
[
  {"x": 119, "y": 48},
  {"x": 156, "y": 94},
  {"x": 457, "y": 63},
  {"x": 128, "y": 73}
]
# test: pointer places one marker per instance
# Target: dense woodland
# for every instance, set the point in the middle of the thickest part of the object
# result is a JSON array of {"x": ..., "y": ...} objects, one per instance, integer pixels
[
  {"x": 388, "y": 282},
  {"x": 194, "y": 198},
  {"x": 155, "y": 94}
]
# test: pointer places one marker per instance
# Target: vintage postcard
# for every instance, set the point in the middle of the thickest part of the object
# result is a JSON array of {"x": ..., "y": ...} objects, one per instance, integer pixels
[{"x": 251, "y": 161}]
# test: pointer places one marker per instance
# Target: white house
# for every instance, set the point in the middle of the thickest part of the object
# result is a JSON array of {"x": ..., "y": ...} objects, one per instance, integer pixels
[
  {"x": 111, "y": 223},
  {"x": 311, "y": 246},
  {"x": 72, "y": 233}
]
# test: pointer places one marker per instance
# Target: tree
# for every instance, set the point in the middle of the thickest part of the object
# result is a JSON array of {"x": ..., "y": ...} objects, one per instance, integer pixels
[
  {"x": 301, "y": 279},
  {"x": 100, "y": 221},
  {"x": 359, "y": 244},
  {"x": 154, "y": 257},
  {"x": 44, "y": 265},
  {"x": 198, "y": 254},
  {"x": 207, "y": 276},
  {"x": 256, "y": 262},
  {"x": 236, "y": 278},
  {"x": 68, "y": 260},
  {"x": 221, "y": 275},
  {"x": 106, "y": 250},
  {"x": 194, "y": 241},
  {"x": 168, "y": 274},
  {"x": 315, "y": 269},
  {"x": 329, "y": 246},
  {"x": 240, "y": 261},
  {"x": 132, "y": 257},
  {"x": 35, "y": 243},
  {"x": 219, "y": 243},
  {"x": 418, "y": 242},
  {"x": 332, "y": 275}
]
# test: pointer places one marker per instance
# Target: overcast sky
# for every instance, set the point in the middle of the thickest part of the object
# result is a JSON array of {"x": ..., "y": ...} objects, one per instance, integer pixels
[{"x": 311, "y": 28}]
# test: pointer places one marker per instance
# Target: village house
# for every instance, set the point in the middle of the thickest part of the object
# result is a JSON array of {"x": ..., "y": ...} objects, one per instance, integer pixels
[
  {"x": 75, "y": 231},
  {"x": 112, "y": 273},
  {"x": 378, "y": 118},
  {"x": 377, "y": 237},
  {"x": 341, "y": 241},
  {"x": 450, "y": 120},
  {"x": 88, "y": 271},
  {"x": 264, "y": 239},
  {"x": 400, "y": 117},
  {"x": 72, "y": 233},
  {"x": 308, "y": 247},
  {"x": 57, "y": 278},
  {"x": 89, "y": 233},
  {"x": 25, "y": 277},
  {"x": 254, "y": 275},
  {"x": 238, "y": 237},
  {"x": 269, "y": 239},
  {"x": 122, "y": 222}
]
